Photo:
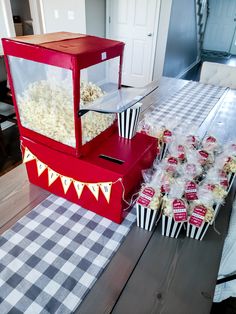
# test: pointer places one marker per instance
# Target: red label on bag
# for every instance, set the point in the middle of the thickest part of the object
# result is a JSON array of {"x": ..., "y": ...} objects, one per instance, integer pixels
[
  {"x": 210, "y": 139},
  {"x": 198, "y": 215},
  {"x": 203, "y": 154},
  {"x": 191, "y": 191},
  {"x": 172, "y": 160},
  {"x": 165, "y": 188},
  {"x": 210, "y": 187},
  {"x": 165, "y": 185},
  {"x": 166, "y": 136},
  {"x": 181, "y": 154},
  {"x": 180, "y": 148},
  {"x": 148, "y": 191},
  {"x": 224, "y": 180},
  {"x": 146, "y": 196},
  {"x": 224, "y": 183},
  {"x": 223, "y": 174},
  {"x": 143, "y": 201},
  {"x": 179, "y": 210},
  {"x": 191, "y": 139}
]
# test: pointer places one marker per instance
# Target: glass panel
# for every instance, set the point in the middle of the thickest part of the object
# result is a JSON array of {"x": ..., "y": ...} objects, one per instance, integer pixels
[
  {"x": 97, "y": 81},
  {"x": 118, "y": 100},
  {"x": 44, "y": 96}
]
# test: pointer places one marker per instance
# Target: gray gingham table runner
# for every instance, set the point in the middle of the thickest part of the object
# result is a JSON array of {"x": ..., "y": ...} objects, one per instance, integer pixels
[
  {"x": 50, "y": 259},
  {"x": 191, "y": 104}
]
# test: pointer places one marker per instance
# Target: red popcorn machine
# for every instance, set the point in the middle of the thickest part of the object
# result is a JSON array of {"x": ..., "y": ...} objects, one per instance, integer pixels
[{"x": 67, "y": 94}]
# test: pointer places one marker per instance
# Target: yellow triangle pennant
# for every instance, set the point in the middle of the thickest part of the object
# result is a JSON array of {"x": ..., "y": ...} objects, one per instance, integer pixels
[
  {"x": 106, "y": 189},
  {"x": 52, "y": 176},
  {"x": 28, "y": 156},
  {"x": 79, "y": 186},
  {"x": 40, "y": 167},
  {"x": 94, "y": 188},
  {"x": 66, "y": 182}
]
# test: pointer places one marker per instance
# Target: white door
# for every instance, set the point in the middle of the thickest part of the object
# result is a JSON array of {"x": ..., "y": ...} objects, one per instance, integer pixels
[
  {"x": 220, "y": 25},
  {"x": 6, "y": 21},
  {"x": 135, "y": 23}
]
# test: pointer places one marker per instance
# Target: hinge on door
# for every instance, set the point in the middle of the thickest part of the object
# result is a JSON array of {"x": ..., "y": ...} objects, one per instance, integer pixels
[{"x": 109, "y": 20}]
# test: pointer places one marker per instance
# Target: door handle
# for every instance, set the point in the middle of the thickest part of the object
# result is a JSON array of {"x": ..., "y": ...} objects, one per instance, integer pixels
[{"x": 149, "y": 34}]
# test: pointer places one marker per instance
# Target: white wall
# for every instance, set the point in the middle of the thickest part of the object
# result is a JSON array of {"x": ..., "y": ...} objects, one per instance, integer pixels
[
  {"x": 96, "y": 17},
  {"x": 63, "y": 15}
]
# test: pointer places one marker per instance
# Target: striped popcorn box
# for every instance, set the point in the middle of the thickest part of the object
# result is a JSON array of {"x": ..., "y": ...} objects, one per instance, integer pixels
[
  {"x": 146, "y": 217},
  {"x": 231, "y": 178},
  {"x": 128, "y": 121},
  {"x": 196, "y": 226},
  {"x": 171, "y": 225},
  {"x": 197, "y": 232},
  {"x": 147, "y": 208},
  {"x": 170, "y": 228}
]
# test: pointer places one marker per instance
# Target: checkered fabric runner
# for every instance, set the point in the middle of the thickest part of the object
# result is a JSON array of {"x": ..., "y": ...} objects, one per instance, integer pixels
[
  {"x": 51, "y": 258},
  {"x": 191, "y": 104}
]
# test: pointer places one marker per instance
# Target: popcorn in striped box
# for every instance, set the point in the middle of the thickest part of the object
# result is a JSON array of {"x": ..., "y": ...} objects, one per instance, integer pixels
[
  {"x": 174, "y": 211},
  {"x": 147, "y": 207}
]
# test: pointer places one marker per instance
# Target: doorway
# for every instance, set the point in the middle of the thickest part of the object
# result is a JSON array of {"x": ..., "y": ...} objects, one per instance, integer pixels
[
  {"x": 135, "y": 22},
  {"x": 22, "y": 17},
  {"x": 220, "y": 28}
]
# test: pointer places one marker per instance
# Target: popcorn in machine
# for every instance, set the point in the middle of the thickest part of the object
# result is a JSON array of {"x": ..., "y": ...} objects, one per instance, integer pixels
[{"x": 67, "y": 92}]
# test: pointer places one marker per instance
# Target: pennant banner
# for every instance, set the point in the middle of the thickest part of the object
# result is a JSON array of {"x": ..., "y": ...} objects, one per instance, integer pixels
[
  {"x": 106, "y": 190},
  {"x": 105, "y": 187},
  {"x": 52, "y": 176},
  {"x": 28, "y": 156},
  {"x": 40, "y": 167},
  {"x": 66, "y": 182},
  {"x": 94, "y": 188},
  {"x": 79, "y": 186}
]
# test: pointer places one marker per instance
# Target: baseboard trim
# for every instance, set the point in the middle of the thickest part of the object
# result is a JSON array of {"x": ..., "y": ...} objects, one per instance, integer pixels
[{"x": 189, "y": 68}]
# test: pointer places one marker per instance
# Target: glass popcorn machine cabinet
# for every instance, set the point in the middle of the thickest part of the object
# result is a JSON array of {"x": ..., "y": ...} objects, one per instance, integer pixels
[{"x": 68, "y": 98}]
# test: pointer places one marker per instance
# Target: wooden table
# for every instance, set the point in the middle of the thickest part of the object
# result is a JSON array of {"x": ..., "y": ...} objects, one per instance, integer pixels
[{"x": 149, "y": 273}]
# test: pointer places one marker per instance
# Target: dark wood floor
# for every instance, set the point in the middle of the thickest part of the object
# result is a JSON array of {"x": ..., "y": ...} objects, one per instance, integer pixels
[{"x": 12, "y": 155}]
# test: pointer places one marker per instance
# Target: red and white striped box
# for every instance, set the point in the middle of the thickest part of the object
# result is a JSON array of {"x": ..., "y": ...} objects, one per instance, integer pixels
[
  {"x": 146, "y": 216},
  {"x": 128, "y": 121},
  {"x": 171, "y": 226}
]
